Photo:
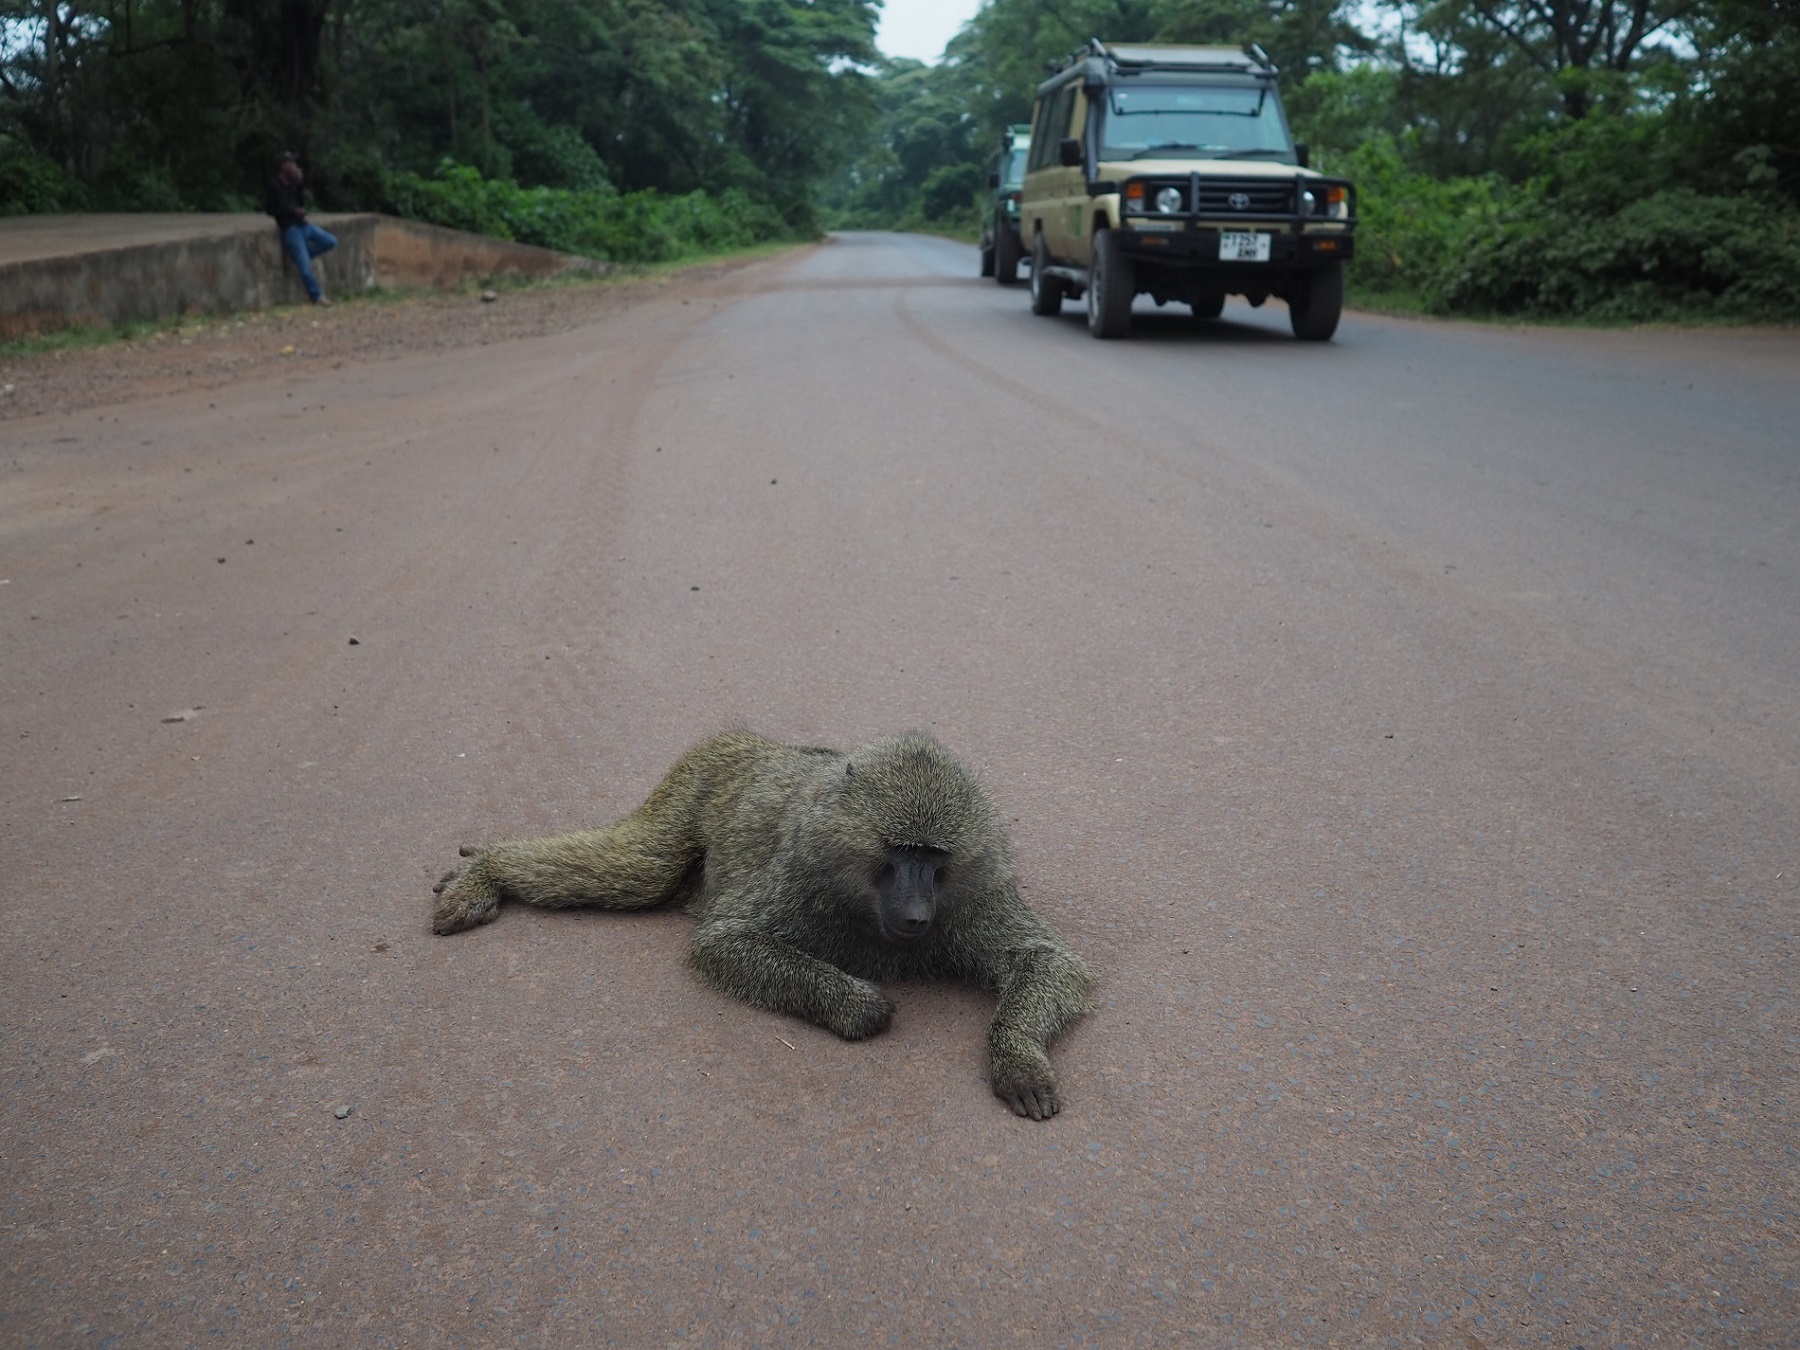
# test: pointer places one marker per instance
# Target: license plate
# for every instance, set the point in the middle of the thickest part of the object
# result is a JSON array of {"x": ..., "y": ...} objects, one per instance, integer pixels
[{"x": 1243, "y": 246}]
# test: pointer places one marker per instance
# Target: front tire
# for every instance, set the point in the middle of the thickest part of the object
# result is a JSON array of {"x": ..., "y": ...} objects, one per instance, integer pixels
[
  {"x": 987, "y": 262},
  {"x": 1007, "y": 255},
  {"x": 1046, "y": 291},
  {"x": 1314, "y": 306},
  {"x": 1112, "y": 282}
]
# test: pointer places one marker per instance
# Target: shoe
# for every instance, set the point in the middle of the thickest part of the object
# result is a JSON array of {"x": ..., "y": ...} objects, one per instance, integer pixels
[{"x": 321, "y": 302}]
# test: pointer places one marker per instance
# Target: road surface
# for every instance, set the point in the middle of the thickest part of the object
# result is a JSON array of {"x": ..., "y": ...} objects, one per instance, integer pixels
[{"x": 1406, "y": 728}]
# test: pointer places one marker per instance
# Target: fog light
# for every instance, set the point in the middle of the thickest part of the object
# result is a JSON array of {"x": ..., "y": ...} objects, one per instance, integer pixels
[{"x": 1168, "y": 201}]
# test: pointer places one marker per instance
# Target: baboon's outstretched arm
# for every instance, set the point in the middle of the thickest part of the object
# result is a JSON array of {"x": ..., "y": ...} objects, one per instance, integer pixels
[
  {"x": 631, "y": 865},
  {"x": 1042, "y": 990},
  {"x": 750, "y": 964},
  {"x": 1043, "y": 987}
]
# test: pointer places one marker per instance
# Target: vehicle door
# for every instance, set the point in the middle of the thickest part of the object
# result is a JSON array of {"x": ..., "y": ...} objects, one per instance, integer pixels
[
  {"x": 1078, "y": 244},
  {"x": 1047, "y": 180},
  {"x": 1068, "y": 187}
]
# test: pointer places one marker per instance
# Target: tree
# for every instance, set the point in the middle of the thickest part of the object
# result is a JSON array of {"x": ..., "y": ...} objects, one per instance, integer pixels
[
  {"x": 1738, "y": 117},
  {"x": 1584, "y": 46},
  {"x": 173, "y": 103}
]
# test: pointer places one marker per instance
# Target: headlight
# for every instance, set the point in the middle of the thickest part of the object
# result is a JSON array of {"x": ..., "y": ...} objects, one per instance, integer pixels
[
  {"x": 1325, "y": 201},
  {"x": 1168, "y": 201}
]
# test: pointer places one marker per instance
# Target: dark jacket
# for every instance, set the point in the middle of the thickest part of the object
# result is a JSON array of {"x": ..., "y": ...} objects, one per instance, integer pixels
[{"x": 286, "y": 202}]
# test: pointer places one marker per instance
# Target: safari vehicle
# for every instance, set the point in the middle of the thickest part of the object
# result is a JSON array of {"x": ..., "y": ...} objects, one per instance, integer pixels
[
  {"x": 1170, "y": 171},
  {"x": 1001, "y": 248}
]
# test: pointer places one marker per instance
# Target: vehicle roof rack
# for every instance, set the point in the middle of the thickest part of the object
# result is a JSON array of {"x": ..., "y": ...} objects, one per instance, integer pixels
[{"x": 1138, "y": 56}]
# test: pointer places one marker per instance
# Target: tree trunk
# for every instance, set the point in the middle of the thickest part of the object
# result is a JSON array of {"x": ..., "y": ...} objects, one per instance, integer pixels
[{"x": 301, "y": 35}]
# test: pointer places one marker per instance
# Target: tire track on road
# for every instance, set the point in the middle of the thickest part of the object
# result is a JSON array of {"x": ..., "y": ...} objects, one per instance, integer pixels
[{"x": 560, "y": 711}]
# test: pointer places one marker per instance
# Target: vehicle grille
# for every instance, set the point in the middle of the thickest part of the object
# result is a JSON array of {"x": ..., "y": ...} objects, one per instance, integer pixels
[{"x": 1258, "y": 196}]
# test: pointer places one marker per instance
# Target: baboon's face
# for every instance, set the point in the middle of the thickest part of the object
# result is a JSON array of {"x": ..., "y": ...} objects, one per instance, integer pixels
[{"x": 906, "y": 892}]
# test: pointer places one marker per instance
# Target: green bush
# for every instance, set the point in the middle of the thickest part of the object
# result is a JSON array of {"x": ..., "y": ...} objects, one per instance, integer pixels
[
  {"x": 1671, "y": 254},
  {"x": 644, "y": 226},
  {"x": 32, "y": 183},
  {"x": 1573, "y": 242},
  {"x": 1412, "y": 228}
]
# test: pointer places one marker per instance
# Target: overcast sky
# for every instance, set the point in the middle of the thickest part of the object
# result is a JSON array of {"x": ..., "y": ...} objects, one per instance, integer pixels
[{"x": 920, "y": 28}]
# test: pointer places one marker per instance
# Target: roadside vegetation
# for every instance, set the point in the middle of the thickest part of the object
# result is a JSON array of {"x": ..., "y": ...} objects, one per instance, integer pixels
[{"x": 1588, "y": 160}]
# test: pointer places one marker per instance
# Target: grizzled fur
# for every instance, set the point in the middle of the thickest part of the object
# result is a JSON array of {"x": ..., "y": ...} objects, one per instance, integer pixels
[{"x": 787, "y": 855}]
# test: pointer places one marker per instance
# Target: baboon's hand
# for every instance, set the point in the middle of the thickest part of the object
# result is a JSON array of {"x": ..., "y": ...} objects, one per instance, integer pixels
[
  {"x": 1028, "y": 1088},
  {"x": 866, "y": 1012},
  {"x": 465, "y": 898}
]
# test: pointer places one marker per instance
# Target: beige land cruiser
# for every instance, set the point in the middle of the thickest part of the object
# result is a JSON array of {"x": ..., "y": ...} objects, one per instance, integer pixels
[{"x": 1169, "y": 171}]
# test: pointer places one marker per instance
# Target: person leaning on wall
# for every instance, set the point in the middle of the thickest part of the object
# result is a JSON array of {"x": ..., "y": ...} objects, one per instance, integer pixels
[{"x": 303, "y": 240}]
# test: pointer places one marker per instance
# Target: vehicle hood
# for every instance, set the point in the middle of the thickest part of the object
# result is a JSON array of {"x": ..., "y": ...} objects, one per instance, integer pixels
[{"x": 1233, "y": 168}]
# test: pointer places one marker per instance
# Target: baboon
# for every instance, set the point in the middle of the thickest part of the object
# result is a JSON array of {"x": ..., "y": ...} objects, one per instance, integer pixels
[{"x": 813, "y": 873}]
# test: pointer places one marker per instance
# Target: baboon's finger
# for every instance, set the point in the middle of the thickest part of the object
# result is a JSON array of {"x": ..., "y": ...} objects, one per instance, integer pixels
[
  {"x": 444, "y": 881},
  {"x": 1034, "y": 1101},
  {"x": 468, "y": 850}
]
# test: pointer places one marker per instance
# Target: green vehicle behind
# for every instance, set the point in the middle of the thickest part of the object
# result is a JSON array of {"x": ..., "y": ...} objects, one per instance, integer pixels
[{"x": 1001, "y": 247}]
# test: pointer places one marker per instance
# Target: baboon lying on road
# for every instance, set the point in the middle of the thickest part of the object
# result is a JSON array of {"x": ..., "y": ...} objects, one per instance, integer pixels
[{"x": 812, "y": 873}]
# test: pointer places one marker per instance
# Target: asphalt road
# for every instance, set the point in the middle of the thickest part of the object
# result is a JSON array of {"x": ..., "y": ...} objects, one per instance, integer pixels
[{"x": 1407, "y": 729}]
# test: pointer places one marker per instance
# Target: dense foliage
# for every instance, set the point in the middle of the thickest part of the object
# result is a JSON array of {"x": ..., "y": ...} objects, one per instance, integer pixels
[
  {"x": 624, "y": 127},
  {"x": 646, "y": 226},
  {"x": 1609, "y": 159}
]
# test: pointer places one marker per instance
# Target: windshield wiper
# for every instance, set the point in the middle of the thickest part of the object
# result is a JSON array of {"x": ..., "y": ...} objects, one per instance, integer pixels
[
  {"x": 1245, "y": 154},
  {"x": 1166, "y": 145}
]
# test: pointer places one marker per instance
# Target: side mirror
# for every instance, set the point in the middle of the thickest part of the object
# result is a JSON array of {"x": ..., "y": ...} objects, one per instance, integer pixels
[
  {"x": 1068, "y": 154},
  {"x": 1302, "y": 153},
  {"x": 993, "y": 180}
]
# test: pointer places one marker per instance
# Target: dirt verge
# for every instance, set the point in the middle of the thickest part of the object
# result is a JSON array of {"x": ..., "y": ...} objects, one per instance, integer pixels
[{"x": 214, "y": 351}]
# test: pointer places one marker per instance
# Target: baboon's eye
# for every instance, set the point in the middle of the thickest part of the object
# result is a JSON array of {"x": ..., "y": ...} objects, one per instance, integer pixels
[
  {"x": 939, "y": 877},
  {"x": 885, "y": 877}
]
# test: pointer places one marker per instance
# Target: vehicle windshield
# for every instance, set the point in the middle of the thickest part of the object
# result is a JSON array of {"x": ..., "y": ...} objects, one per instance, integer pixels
[
  {"x": 1012, "y": 165},
  {"x": 1230, "y": 122}
]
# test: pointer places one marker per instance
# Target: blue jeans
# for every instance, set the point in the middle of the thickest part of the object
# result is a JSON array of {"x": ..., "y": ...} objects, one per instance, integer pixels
[{"x": 304, "y": 243}]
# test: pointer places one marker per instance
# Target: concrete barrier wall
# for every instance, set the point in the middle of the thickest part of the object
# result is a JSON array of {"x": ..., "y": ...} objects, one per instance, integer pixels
[{"x": 59, "y": 272}]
